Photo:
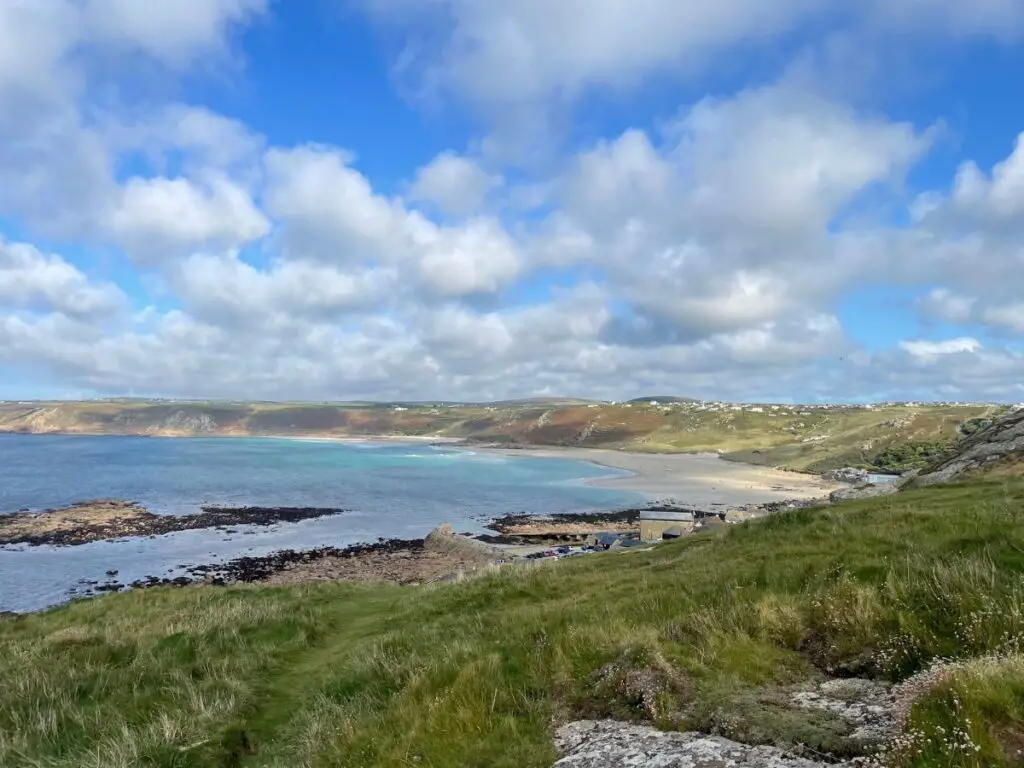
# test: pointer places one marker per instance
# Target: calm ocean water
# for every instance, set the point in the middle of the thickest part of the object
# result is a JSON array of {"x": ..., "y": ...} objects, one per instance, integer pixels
[{"x": 392, "y": 490}]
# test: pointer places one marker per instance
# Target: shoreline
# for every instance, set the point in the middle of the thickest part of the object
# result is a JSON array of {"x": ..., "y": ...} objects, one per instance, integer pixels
[
  {"x": 696, "y": 479},
  {"x": 692, "y": 479},
  {"x": 700, "y": 482}
]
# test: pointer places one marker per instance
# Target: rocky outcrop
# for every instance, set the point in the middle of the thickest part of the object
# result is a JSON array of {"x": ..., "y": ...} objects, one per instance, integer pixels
[
  {"x": 863, "y": 492},
  {"x": 444, "y": 540},
  {"x": 867, "y": 706},
  {"x": 848, "y": 475},
  {"x": 1000, "y": 443},
  {"x": 611, "y": 744}
]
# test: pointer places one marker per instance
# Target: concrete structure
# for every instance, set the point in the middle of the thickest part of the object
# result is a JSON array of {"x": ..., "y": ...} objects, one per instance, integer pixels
[{"x": 654, "y": 523}]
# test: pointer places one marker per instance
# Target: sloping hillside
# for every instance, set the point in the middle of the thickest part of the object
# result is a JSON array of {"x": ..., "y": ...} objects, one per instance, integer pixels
[
  {"x": 797, "y": 437},
  {"x": 733, "y": 632}
]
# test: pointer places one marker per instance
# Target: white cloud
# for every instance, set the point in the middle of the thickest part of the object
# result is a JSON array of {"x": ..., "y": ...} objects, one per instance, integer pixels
[
  {"x": 726, "y": 224},
  {"x": 1008, "y": 316},
  {"x": 930, "y": 349},
  {"x": 781, "y": 158},
  {"x": 161, "y": 217},
  {"x": 705, "y": 257},
  {"x": 980, "y": 199},
  {"x": 944, "y": 304},
  {"x": 532, "y": 51},
  {"x": 199, "y": 139},
  {"x": 227, "y": 290},
  {"x": 329, "y": 210},
  {"x": 173, "y": 31},
  {"x": 34, "y": 36},
  {"x": 32, "y": 280},
  {"x": 456, "y": 184},
  {"x": 999, "y": 312},
  {"x": 331, "y": 213},
  {"x": 527, "y": 50}
]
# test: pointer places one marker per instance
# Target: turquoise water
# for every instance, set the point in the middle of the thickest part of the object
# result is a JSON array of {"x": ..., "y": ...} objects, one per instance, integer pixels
[{"x": 392, "y": 490}]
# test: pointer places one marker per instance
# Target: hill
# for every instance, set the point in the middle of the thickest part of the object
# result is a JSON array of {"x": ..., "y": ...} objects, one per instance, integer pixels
[
  {"x": 812, "y": 438},
  {"x": 744, "y": 632}
]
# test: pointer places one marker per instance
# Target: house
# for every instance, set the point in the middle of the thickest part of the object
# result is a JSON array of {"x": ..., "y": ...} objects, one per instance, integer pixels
[
  {"x": 604, "y": 540},
  {"x": 654, "y": 523}
]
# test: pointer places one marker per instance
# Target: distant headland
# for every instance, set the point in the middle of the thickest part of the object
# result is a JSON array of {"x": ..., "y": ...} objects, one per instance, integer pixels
[{"x": 885, "y": 437}]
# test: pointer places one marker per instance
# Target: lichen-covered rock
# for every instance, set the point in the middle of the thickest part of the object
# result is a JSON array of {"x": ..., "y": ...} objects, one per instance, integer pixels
[
  {"x": 863, "y": 492},
  {"x": 866, "y": 705},
  {"x": 444, "y": 540},
  {"x": 1002, "y": 440},
  {"x": 611, "y": 744}
]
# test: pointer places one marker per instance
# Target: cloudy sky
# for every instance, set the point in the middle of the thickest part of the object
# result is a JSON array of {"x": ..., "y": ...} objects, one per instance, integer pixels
[{"x": 796, "y": 200}]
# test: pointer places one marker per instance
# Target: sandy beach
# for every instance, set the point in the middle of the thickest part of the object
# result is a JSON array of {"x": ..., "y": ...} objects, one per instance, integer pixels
[
  {"x": 696, "y": 479},
  {"x": 700, "y": 480}
]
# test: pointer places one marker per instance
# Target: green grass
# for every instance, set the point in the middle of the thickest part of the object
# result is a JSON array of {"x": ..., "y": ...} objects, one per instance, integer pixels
[
  {"x": 972, "y": 717},
  {"x": 720, "y": 627}
]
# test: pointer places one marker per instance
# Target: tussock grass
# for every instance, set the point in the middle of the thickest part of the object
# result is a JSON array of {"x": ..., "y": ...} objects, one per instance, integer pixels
[{"x": 709, "y": 632}]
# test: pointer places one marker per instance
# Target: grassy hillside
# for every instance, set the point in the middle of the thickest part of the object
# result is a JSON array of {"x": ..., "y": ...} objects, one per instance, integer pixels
[
  {"x": 718, "y": 628},
  {"x": 812, "y": 439}
]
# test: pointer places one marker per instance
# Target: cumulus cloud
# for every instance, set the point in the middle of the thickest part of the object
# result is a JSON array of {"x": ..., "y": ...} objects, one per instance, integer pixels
[
  {"x": 944, "y": 304},
  {"x": 520, "y": 51},
  {"x": 157, "y": 217},
  {"x": 994, "y": 200},
  {"x": 58, "y": 146},
  {"x": 228, "y": 290},
  {"x": 32, "y": 280},
  {"x": 705, "y": 256},
  {"x": 330, "y": 212},
  {"x": 726, "y": 223},
  {"x": 929, "y": 349},
  {"x": 454, "y": 183},
  {"x": 173, "y": 31}
]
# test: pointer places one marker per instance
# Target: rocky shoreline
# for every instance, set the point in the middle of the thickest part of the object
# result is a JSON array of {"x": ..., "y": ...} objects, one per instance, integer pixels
[
  {"x": 90, "y": 521},
  {"x": 442, "y": 556}
]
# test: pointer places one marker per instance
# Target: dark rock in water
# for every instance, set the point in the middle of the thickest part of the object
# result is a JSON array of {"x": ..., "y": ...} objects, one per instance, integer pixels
[
  {"x": 113, "y": 521},
  {"x": 115, "y": 587},
  {"x": 112, "y": 572}
]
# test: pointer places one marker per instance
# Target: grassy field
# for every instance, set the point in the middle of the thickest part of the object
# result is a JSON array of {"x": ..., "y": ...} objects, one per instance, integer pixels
[
  {"x": 720, "y": 626},
  {"x": 812, "y": 439}
]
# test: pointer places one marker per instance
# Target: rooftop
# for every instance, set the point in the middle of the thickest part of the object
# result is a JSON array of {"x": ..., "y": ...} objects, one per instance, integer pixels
[{"x": 654, "y": 514}]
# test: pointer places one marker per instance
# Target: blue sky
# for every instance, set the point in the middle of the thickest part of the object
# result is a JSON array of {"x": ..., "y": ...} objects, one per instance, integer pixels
[{"x": 386, "y": 199}]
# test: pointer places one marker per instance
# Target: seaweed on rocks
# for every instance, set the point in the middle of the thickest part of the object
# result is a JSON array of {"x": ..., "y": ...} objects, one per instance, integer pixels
[
  {"x": 249, "y": 570},
  {"x": 90, "y": 521}
]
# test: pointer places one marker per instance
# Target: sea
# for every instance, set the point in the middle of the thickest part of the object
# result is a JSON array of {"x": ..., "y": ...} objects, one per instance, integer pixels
[{"x": 389, "y": 490}]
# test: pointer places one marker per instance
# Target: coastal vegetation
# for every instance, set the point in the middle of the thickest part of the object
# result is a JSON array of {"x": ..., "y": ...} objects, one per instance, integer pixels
[
  {"x": 805, "y": 438},
  {"x": 912, "y": 454},
  {"x": 714, "y": 632}
]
